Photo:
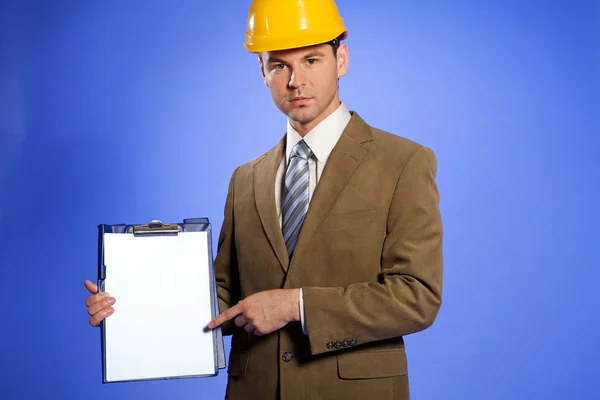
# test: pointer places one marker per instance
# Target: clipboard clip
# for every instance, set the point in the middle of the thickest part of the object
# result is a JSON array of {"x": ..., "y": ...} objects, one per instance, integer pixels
[{"x": 155, "y": 227}]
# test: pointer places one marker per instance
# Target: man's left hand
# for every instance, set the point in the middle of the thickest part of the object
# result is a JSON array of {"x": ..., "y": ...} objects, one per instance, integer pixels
[{"x": 263, "y": 312}]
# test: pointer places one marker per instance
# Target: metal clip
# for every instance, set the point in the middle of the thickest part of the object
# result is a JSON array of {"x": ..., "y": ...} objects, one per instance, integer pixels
[{"x": 155, "y": 226}]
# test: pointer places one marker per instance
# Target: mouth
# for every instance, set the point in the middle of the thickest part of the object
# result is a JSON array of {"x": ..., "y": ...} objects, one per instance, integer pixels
[{"x": 298, "y": 101}]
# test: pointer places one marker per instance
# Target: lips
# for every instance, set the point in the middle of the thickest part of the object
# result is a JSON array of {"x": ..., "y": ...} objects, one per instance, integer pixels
[{"x": 299, "y": 100}]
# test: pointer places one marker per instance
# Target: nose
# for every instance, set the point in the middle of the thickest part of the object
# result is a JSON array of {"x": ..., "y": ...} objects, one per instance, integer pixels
[{"x": 297, "y": 79}]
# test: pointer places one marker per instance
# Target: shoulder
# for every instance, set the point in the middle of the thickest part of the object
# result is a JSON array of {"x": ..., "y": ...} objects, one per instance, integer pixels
[
  {"x": 246, "y": 170},
  {"x": 249, "y": 165},
  {"x": 397, "y": 150}
]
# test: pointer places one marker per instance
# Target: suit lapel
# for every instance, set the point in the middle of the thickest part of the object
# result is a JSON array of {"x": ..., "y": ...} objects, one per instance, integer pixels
[
  {"x": 264, "y": 194},
  {"x": 345, "y": 158}
]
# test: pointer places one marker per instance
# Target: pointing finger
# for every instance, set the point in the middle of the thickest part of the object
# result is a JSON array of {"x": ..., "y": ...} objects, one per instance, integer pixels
[{"x": 225, "y": 316}]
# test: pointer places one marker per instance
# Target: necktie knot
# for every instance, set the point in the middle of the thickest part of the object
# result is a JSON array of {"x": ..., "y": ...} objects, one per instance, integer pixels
[{"x": 301, "y": 150}]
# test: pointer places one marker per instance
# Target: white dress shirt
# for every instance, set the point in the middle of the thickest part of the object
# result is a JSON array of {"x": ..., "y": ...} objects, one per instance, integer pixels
[{"x": 321, "y": 140}]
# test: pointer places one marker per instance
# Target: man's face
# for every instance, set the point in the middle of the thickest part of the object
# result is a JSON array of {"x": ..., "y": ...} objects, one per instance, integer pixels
[{"x": 304, "y": 82}]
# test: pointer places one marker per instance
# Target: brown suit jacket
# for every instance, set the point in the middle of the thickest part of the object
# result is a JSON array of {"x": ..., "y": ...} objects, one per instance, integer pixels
[{"x": 369, "y": 260}]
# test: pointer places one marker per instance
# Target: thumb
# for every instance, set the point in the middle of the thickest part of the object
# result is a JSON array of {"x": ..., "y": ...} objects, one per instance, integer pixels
[{"x": 92, "y": 287}]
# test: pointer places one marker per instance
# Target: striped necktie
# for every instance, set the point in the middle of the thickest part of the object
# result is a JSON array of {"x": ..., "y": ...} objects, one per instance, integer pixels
[{"x": 295, "y": 203}]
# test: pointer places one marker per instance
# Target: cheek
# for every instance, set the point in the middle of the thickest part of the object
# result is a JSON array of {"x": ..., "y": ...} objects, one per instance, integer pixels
[
  {"x": 278, "y": 87},
  {"x": 325, "y": 83}
]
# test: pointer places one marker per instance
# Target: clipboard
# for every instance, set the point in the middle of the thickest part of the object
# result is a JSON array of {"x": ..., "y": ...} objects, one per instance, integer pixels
[{"x": 162, "y": 278}]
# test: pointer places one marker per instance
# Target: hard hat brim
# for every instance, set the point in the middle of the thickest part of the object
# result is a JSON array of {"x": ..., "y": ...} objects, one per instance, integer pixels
[{"x": 305, "y": 38}]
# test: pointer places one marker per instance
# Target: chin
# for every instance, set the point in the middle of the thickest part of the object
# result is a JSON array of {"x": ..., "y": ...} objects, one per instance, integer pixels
[{"x": 302, "y": 115}]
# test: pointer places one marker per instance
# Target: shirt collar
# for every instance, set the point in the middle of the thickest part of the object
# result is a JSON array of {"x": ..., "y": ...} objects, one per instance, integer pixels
[{"x": 323, "y": 137}]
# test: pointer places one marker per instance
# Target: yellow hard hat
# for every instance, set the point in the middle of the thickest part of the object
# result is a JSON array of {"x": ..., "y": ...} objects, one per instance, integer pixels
[{"x": 289, "y": 24}]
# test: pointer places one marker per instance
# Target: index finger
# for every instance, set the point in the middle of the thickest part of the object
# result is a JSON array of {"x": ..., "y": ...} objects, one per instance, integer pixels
[
  {"x": 93, "y": 299},
  {"x": 225, "y": 316}
]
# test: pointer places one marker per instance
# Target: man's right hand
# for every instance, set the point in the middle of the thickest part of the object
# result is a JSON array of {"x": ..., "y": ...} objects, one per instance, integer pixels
[{"x": 99, "y": 304}]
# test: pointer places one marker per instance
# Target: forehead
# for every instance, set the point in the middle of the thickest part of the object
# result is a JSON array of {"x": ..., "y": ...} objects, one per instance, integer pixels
[{"x": 323, "y": 50}]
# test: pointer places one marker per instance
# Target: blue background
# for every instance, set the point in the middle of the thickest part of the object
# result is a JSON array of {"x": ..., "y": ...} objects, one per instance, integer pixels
[{"x": 126, "y": 111}]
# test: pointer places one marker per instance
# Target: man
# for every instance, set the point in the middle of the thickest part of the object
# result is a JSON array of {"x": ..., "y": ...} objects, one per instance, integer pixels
[{"x": 331, "y": 246}]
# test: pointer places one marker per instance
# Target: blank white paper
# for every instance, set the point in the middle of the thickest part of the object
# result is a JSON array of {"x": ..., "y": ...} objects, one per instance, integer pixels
[{"x": 162, "y": 289}]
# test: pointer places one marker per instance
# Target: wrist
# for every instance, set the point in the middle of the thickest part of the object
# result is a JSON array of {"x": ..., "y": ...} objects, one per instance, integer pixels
[{"x": 294, "y": 310}]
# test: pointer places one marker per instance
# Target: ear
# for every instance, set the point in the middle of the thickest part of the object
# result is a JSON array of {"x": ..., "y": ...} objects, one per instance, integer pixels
[
  {"x": 343, "y": 60},
  {"x": 262, "y": 69}
]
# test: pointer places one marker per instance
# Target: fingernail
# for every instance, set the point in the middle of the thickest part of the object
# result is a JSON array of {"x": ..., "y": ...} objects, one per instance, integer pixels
[
  {"x": 109, "y": 311},
  {"x": 105, "y": 295},
  {"x": 111, "y": 300}
]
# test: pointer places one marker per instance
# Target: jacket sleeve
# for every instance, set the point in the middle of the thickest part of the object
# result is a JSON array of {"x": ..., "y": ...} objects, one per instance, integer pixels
[
  {"x": 408, "y": 294},
  {"x": 226, "y": 266}
]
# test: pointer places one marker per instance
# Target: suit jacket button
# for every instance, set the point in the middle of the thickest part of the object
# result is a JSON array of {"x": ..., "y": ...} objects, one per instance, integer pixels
[
  {"x": 287, "y": 356},
  {"x": 337, "y": 345},
  {"x": 345, "y": 343},
  {"x": 353, "y": 342},
  {"x": 329, "y": 345}
]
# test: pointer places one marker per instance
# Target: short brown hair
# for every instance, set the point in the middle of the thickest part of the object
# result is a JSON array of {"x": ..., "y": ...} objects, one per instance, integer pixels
[{"x": 335, "y": 43}]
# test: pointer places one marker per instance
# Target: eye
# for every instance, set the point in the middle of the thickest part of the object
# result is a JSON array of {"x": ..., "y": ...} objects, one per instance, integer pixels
[
  {"x": 279, "y": 66},
  {"x": 312, "y": 61}
]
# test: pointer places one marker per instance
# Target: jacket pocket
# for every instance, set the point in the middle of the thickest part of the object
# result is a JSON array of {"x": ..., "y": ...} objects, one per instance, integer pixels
[
  {"x": 335, "y": 221},
  {"x": 373, "y": 364},
  {"x": 238, "y": 361}
]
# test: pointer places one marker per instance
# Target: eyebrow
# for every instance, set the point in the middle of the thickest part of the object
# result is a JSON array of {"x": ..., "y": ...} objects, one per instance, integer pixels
[
  {"x": 312, "y": 54},
  {"x": 272, "y": 60}
]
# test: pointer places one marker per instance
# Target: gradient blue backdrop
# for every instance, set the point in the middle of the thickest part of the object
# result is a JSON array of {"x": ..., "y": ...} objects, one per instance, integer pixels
[{"x": 126, "y": 111}]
